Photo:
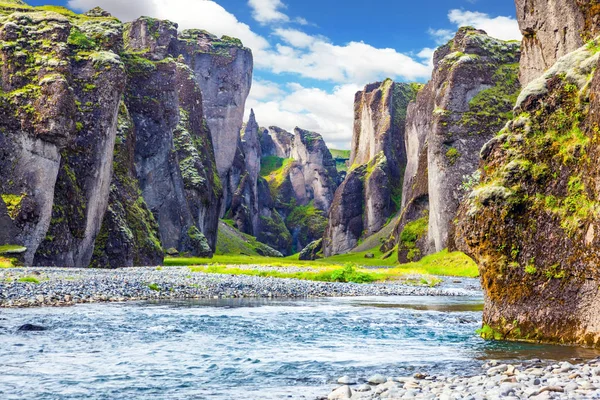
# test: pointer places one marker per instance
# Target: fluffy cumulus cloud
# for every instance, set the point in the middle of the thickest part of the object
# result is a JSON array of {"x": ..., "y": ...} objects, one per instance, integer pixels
[
  {"x": 265, "y": 11},
  {"x": 504, "y": 28},
  {"x": 329, "y": 113}
]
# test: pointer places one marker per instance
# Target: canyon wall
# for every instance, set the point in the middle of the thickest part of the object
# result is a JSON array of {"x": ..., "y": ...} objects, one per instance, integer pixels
[
  {"x": 552, "y": 29},
  {"x": 371, "y": 191},
  {"x": 106, "y": 155},
  {"x": 531, "y": 221}
]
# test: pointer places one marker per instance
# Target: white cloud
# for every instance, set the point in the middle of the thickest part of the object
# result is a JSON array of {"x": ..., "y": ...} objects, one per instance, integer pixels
[
  {"x": 330, "y": 114},
  {"x": 441, "y": 36},
  {"x": 353, "y": 63},
  {"x": 295, "y": 37},
  {"x": 504, "y": 28},
  {"x": 265, "y": 11}
]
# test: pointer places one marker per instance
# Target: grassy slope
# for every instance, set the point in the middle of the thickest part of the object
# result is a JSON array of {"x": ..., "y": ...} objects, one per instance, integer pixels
[
  {"x": 232, "y": 242},
  {"x": 341, "y": 156}
]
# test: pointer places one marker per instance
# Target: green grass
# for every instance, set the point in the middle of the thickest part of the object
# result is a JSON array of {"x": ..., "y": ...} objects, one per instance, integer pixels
[
  {"x": 324, "y": 274},
  {"x": 12, "y": 249},
  {"x": 5, "y": 263},
  {"x": 29, "y": 279},
  {"x": 230, "y": 241},
  {"x": 270, "y": 164},
  {"x": 342, "y": 154},
  {"x": 154, "y": 287},
  {"x": 441, "y": 264}
]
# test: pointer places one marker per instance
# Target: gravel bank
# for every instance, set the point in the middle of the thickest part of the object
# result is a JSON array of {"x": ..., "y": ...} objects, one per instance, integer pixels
[
  {"x": 62, "y": 287},
  {"x": 532, "y": 380}
]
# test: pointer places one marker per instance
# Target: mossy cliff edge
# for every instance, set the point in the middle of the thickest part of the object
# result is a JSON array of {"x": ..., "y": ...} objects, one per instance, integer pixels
[
  {"x": 531, "y": 222},
  {"x": 106, "y": 157}
]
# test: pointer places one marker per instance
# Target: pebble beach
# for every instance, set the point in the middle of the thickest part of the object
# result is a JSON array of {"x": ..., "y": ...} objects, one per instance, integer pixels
[{"x": 34, "y": 287}]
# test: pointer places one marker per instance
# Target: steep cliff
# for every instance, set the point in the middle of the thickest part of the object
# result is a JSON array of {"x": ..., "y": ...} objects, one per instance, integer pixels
[
  {"x": 57, "y": 148},
  {"x": 378, "y": 160},
  {"x": 300, "y": 188},
  {"x": 531, "y": 223},
  {"x": 244, "y": 206},
  {"x": 277, "y": 142},
  {"x": 223, "y": 70},
  {"x": 551, "y": 29},
  {"x": 173, "y": 154},
  {"x": 73, "y": 111},
  {"x": 475, "y": 85}
]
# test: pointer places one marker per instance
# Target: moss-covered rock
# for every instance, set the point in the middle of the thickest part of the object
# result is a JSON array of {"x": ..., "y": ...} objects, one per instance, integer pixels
[{"x": 531, "y": 222}]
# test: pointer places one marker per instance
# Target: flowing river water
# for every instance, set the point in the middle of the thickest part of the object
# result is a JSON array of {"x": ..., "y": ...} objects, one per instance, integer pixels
[{"x": 243, "y": 349}]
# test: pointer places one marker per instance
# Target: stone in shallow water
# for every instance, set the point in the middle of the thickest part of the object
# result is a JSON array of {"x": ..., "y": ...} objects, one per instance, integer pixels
[{"x": 32, "y": 328}]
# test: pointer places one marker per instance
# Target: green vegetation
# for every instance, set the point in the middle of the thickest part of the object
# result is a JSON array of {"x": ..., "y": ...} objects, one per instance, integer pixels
[
  {"x": 154, "y": 287},
  {"x": 345, "y": 274},
  {"x": 412, "y": 233},
  {"x": 79, "y": 39},
  {"x": 489, "y": 333},
  {"x": 270, "y": 164},
  {"x": 452, "y": 155},
  {"x": 309, "y": 221},
  {"x": 12, "y": 249},
  {"x": 5, "y": 263},
  {"x": 593, "y": 45},
  {"x": 13, "y": 204},
  {"x": 494, "y": 105},
  {"x": 30, "y": 279},
  {"x": 443, "y": 263},
  {"x": 232, "y": 242}
]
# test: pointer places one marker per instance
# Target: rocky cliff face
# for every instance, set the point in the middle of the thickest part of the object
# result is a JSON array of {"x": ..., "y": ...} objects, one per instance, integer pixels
[
  {"x": 65, "y": 128},
  {"x": 475, "y": 86},
  {"x": 223, "y": 70},
  {"x": 532, "y": 221},
  {"x": 277, "y": 142},
  {"x": 297, "y": 190},
  {"x": 378, "y": 160},
  {"x": 244, "y": 207},
  {"x": 551, "y": 29}
]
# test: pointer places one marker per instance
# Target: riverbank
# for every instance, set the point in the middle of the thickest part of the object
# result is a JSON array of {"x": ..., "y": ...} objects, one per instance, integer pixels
[
  {"x": 531, "y": 380},
  {"x": 34, "y": 287}
]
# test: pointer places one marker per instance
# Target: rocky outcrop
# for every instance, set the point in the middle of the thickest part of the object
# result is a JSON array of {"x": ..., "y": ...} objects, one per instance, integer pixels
[
  {"x": 300, "y": 188},
  {"x": 316, "y": 176},
  {"x": 475, "y": 84},
  {"x": 65, "y": 128},
  {"x": 173, "y": 154},
  {"x": 277, "y": 142},
  {"x": 551, "y": 29},
  {"x": 378, "y": 160},
  {"x": 531, "y": 223},
  {"x": 56, "y": 153},
  {"x": 129, "y": 235},
  {"x": 312, "y": 252},
  {"x": 223, "y": 70},
  {"x": 244, "y": 207}
]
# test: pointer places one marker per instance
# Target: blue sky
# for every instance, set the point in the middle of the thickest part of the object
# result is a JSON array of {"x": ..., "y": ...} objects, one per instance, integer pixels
[{"x": 311, "y": 56}]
